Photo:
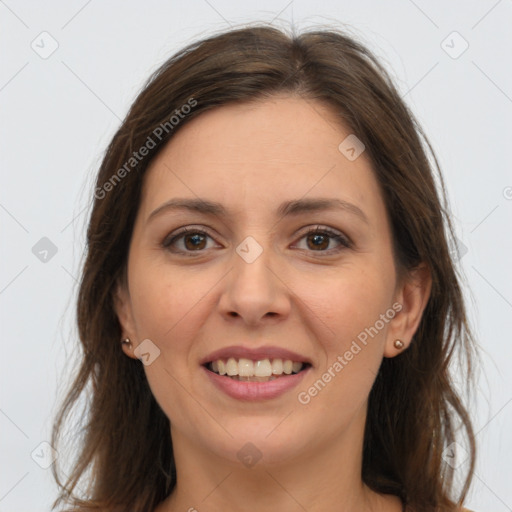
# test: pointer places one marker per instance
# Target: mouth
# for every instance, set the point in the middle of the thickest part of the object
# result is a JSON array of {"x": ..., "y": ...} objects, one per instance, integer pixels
[
  {"x": 260, "y": 370},
  {"x": 255, "y": 373}
]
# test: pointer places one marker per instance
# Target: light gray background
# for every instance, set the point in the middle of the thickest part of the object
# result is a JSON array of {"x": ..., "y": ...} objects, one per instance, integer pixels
[{"x": 58, "y": 114}]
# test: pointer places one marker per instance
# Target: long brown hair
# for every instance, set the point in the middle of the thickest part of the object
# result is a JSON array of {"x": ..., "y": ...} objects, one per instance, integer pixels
[{"x": 125, "y": 458}]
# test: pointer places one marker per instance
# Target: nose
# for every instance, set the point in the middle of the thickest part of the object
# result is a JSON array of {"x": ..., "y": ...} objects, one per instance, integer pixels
[{"x": 254, "y": 291}]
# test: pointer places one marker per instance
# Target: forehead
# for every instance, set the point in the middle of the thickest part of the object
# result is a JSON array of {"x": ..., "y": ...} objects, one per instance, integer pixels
[
  {"x": 263, "y": 130},
  {"x": 253, "y": 155}
]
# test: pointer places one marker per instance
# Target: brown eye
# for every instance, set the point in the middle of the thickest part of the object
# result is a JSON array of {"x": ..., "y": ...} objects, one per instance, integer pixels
[
  {"x": 194, "y": 241},
  {"x": 187, "y": 241},
  {"x": 319, "y": 240}
]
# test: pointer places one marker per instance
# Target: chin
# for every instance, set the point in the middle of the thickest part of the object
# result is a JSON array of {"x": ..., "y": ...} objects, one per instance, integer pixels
[{"x": 261, "y": 442}]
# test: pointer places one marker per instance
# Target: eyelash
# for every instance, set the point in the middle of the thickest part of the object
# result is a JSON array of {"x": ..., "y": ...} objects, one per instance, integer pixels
[{"x": 344, "y": 242}]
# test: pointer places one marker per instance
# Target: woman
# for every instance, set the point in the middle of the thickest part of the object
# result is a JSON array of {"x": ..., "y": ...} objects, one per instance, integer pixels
[{"x": 268, "y": 304}]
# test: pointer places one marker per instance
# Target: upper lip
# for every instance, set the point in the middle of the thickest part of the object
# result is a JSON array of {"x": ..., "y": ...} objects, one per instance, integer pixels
[{"x": 256, "y": 354}]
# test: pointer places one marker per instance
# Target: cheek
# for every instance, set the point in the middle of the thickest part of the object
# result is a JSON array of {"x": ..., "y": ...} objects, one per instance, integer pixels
[
  {"x": 165, "y": 299},
  {"x": 169, "y": 307},
  {"x": 348, "y": 303},
  {"x": 354, "y": 314}
]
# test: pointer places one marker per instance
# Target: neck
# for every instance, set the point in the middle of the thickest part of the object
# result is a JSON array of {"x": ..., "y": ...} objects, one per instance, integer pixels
[{"x": 326, "y": 476}]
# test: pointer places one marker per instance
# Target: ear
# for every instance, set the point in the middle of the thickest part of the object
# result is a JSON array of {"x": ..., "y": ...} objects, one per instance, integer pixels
[
  {"x": 123, "y": 309},
  {"x": 411, "y": 298}
]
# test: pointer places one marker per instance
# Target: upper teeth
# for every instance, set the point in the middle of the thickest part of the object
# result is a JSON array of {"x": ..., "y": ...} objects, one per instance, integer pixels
[{"x": 248, "y": 368}]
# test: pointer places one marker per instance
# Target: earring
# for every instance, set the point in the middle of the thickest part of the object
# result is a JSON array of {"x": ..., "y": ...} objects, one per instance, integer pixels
[
  {"x": 126, "y": 341},
  {"x": 399, "y": 344}
]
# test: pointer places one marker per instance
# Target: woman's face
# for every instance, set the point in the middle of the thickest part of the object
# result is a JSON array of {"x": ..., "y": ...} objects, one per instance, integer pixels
[{"x": 248, "y": 287}]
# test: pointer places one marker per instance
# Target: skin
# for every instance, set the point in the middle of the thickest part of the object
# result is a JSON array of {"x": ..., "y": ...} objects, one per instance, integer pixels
[{"x": 251, "y": 157}]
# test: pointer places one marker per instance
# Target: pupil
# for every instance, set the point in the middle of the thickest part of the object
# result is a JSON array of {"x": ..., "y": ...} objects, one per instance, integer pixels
[
  {"x": 196, "y": 241},
  {"x": 317, "y": 240}
]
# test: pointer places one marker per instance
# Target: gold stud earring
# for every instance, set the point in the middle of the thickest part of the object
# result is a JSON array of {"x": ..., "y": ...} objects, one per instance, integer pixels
[
  {"x": 126, "y": 341},
  {"x": 399, "y": 344}
]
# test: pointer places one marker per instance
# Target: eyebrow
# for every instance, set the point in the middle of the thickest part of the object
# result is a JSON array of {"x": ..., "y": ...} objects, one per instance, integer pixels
[{"x": 287, "y": 208}]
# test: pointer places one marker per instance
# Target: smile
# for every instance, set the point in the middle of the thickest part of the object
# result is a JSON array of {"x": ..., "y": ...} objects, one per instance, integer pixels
[
  {"x": 262, "y": 370},
  {"x": 251, "y": 381}
]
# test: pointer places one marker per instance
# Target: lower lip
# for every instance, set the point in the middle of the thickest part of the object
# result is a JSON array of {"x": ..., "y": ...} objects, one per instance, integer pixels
[{"x": 253, "y": 391}]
